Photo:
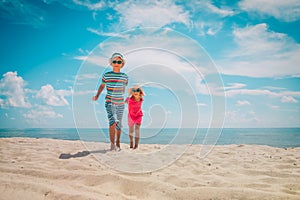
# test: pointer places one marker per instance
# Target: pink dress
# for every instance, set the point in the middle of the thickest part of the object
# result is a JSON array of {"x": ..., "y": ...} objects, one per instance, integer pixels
[{"x": 135, "y": 112}]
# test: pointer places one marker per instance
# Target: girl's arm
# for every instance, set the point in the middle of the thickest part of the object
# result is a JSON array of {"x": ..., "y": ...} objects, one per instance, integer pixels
[{"x": 127, "y": 100}]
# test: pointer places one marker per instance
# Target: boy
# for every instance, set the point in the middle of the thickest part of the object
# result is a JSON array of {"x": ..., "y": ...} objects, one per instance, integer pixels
[{"x": 115, "y": 82}]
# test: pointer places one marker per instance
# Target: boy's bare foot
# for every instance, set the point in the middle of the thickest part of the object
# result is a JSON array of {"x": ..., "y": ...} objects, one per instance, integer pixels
[
  {"x": 135, "y": 146},
  {"x": 118, "y": 144},
  {"x": 112, "y": 147},
  {"x": 118, "y": 149}
]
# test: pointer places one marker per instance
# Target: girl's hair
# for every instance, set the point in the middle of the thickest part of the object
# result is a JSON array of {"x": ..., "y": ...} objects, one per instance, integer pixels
[{"x": 130, "y": 92}]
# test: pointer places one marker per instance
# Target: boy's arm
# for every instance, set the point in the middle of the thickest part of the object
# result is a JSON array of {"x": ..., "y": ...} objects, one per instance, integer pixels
[{"x": 100, "y": 89}]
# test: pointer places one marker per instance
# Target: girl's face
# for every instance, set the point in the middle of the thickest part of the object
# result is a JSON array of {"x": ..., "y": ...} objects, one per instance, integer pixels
[{"x": 136, "y": 92}]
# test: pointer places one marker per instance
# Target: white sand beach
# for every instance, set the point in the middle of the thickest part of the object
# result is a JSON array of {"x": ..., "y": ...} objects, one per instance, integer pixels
[{"x": 59, "y": 169}]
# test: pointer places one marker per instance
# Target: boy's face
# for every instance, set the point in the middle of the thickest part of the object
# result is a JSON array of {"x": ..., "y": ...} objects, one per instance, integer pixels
[{"x": 117, "y": 63}]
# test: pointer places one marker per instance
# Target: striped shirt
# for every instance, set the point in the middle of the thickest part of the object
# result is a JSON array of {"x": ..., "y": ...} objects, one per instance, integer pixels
[{"x": 115, "y": 86}]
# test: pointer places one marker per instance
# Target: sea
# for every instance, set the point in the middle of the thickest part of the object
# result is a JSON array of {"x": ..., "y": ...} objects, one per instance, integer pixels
[{"x": 275, "y": 137}]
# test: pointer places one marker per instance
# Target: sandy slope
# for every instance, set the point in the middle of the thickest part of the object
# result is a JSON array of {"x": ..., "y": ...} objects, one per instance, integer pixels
[{"x": 56, "y": 169}]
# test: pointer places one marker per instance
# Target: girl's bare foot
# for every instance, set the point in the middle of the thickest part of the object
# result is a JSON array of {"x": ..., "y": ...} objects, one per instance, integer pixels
[{"x": 136, "y": 142}]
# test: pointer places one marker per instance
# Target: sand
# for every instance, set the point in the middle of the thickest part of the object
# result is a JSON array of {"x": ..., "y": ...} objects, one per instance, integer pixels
[{"x": 59, "y": 169}]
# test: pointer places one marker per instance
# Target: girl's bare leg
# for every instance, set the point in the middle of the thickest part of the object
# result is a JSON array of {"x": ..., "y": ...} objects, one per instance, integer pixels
[
  {"x": 131, "y": 130},
  {"x": 137, "y": 135}
]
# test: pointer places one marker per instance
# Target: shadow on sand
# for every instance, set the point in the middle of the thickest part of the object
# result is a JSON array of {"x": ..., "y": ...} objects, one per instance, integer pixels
[{"x": 80, "y": 154}]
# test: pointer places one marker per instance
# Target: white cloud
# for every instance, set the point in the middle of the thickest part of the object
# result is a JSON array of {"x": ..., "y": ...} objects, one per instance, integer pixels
[
  {"x": 87, "y": 76},
  {"x": 262, "y": 53},
  {"x": 109, "y": 34},
  {"x": 231, "y": 93},
  {"x": 201, "y": 104},
  {"x": 13, "y": 91},
  {"x": 41, "y": 113},
  {"x": 91, "y": 6},
  {"x": 192, "y": 14},
  {"x": 84, "y": 52},
  {"x": 243, "y": 103},
  {"x": 274, "y": 107},
  {"x": 288, "y": 10},
  {"x": 53, "y": 97},
  {"x": 207, "y": 27},
  {"x": 80, "y": 4},
  {"x": 97, "y": 60},
  {"x": 7, "y": 116},
  {"x": 288, "y": 99},
  {"x": 241, "y": 118},
  {"x": 151, "y": 13},
  {"x": 206, "y": 18},
  {"x": 157, "y": 59},
  {"x": 284, "y": 96},
  {"x": 274, "y": 88},
  {"x": 235, "y": 86},
  {"x": 291, "y": 93},
  {"x": 219, "y": 11},
  {"x": 206, "y": 7},
  {"x": 86, "y": 92},
  {"x": 2, "y": 103},
  {"x": 214, "y": 30},
  {"x": 164, "y": 47}
]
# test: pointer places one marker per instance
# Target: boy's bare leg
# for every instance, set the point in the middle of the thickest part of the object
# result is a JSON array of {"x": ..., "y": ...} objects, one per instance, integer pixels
[
  {"x": 131, "y": 130},
  {"x": 112, "y": 132},
  {"x": 118, "y": 138}
]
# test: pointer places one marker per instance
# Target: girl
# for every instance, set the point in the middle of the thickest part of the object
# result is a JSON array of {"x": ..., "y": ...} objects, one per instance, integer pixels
[{"x": 135, "y": 113}]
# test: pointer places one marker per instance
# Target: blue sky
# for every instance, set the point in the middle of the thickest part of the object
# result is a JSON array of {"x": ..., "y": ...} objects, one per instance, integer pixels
[{"x": 235, "y": 62}]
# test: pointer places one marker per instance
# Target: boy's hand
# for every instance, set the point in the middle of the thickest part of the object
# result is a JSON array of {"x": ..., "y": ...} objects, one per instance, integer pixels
[{"x": 95, "y": 98}]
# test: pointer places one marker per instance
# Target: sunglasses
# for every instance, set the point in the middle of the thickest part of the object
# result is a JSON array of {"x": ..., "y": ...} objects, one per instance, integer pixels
[
  {"x": 136, "y": 90},
  {"x": 117, "y": 62}
]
